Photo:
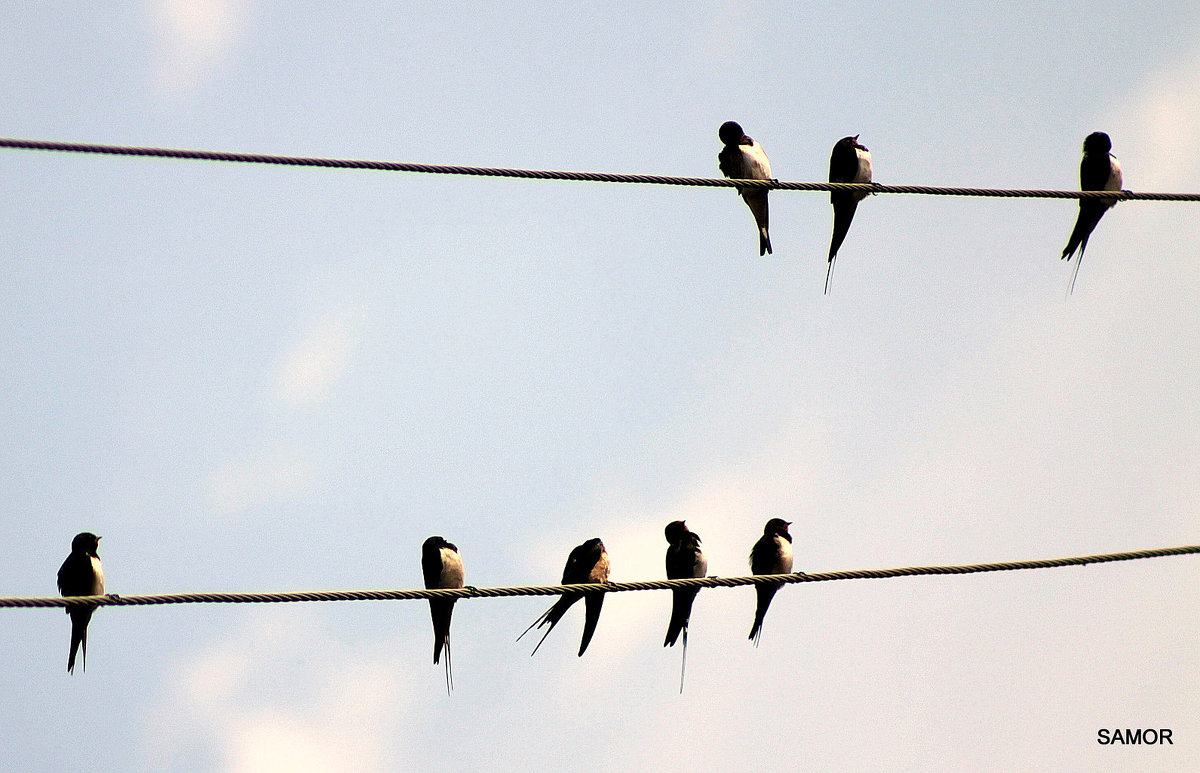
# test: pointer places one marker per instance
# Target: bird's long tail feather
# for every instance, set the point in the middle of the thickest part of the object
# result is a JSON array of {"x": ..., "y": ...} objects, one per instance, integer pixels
[
  {"x": 551, "y": 616},
  {"x": 843, "y": 215},
  {"x": 545, "y": 616},
  {"x": 683, "y": 665},
  {"x": 80, "y": 618},
  {"x": 765, "y": 594},
  {"x": 1078, "y": 263}
]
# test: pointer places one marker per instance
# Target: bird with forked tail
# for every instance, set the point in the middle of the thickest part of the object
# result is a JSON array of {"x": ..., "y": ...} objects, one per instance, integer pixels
[
  {"x": 588, "y": 563},
  {"x": 1099, "y": 171},
  {"x": 81, "y": 574},
  {"x": 685, "y": 558},
  {"x": 850, "y": 162},
  {"x": 442, "y": 567},
  {"x": 772, "y": 554}
]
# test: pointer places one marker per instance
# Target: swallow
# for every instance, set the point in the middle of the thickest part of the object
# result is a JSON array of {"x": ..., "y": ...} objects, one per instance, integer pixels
[
  {"x": 588, "y": 563},
  {"x": 81, "y": 575},
  {"x": 743, "y": 159},
  {"x": 772, "y": 554},
  {"x": 685, "y": 558},
  {"x": 1099, "y": 171},
  {"x": 443, "y": 568},
  {"x": 849, "y": 163}
]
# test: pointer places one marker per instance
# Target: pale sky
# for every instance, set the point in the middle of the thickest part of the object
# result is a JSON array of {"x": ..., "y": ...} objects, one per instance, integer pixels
[{"x": 253, "y": 378}]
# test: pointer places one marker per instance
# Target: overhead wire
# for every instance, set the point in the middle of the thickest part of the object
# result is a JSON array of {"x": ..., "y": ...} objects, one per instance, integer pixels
[
  {"x": 544, "y": 174},
  {"x": 471, "y": 592}
]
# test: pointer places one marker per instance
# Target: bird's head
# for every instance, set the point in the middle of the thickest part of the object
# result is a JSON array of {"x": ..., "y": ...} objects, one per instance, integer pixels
[
  {"x": 675, "y": 530},
  {"x": 85, "y": 542},
  {"x": 731, "y": 133},
  {"x": 432, "y": 547},
  {"x": 776, "y": 526},
  {"x": 848, "y": 142},
  {"x": 1097, "y": 142}
]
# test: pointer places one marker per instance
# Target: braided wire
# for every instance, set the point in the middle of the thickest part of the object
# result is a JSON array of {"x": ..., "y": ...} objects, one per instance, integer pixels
[
  {"x": 610, "y": 587},
  {"x": 607, "y": 177}
]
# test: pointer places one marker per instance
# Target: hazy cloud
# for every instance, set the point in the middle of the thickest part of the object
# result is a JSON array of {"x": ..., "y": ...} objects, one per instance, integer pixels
[
  {"x": 314, "y": 364},
  {"x": 252, "y": 701},
  {"x": 195, "y": 38},
  {"x": 1167, "y": 116}
]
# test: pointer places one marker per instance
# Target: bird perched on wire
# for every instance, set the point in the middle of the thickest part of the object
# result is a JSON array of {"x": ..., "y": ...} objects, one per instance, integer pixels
[
  {"x": 588, "y": 563},
  {"x": 850, "y": 162},
  {"x": 1099, "y": 171},
  {"x": 442, "y": 567},
  {"x": 685, "y": 558},
  {"x": 81, "y": 575},
  {"x": 772, "y": 554},
  {"x": 743, "y": 159}
]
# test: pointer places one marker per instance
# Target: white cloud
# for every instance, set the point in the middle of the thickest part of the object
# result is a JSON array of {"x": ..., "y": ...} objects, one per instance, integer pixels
[
  {"x": 309, "y": 370},
  {"x": 195, "y": 38},
  {"x": 1165, "y": 123},
  {"x": 254, "y": 701}
]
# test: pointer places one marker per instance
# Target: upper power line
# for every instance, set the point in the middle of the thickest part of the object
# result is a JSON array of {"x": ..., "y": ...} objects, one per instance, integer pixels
[{"x": 607, "y": 177}]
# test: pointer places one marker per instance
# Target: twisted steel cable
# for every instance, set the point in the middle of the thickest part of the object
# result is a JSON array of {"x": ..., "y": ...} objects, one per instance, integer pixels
[
  {"x": 607, "y": 177},
  {"x": 610, "y": 587}
]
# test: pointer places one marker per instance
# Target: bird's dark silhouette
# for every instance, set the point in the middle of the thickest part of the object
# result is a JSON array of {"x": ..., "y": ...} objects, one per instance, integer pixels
[
  {"x": 81, "y": 574},
  {"x": 685, "y": 558},
  {"x": 772, "y": 554},
  {"x": 1098, "y": 171},
  {"x": 850, "y": 162},
  {"x": 442, "y": 567},
  {"x": 744, "y": 159},
  {"x": 588, "y": 563}
]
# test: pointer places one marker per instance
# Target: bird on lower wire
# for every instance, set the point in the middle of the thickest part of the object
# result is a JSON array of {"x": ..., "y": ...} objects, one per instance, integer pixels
[
  {"x": 442, "y": 567},
  {"x": 81, "y": 574},
  {"x": 685, "y": 558},
  {"x": 588, "y": 563},
  {"x": 772, "y": 554}
]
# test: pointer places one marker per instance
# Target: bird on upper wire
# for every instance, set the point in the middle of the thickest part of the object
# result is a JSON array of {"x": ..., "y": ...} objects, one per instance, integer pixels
[
  {"x": 850, "y": 162},
  {"x": 772, "y": 554},
  {"x": 81, "y": 574},
  {"x": 442, "y": 567},
  {"x": 588, "y": 563},
  {"x": 1099, "y": 171},
  {"x": 744, "y": 159}
]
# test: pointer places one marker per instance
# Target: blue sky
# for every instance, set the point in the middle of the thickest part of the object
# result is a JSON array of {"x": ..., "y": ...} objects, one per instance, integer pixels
[{"x": 256, "y": 378}]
